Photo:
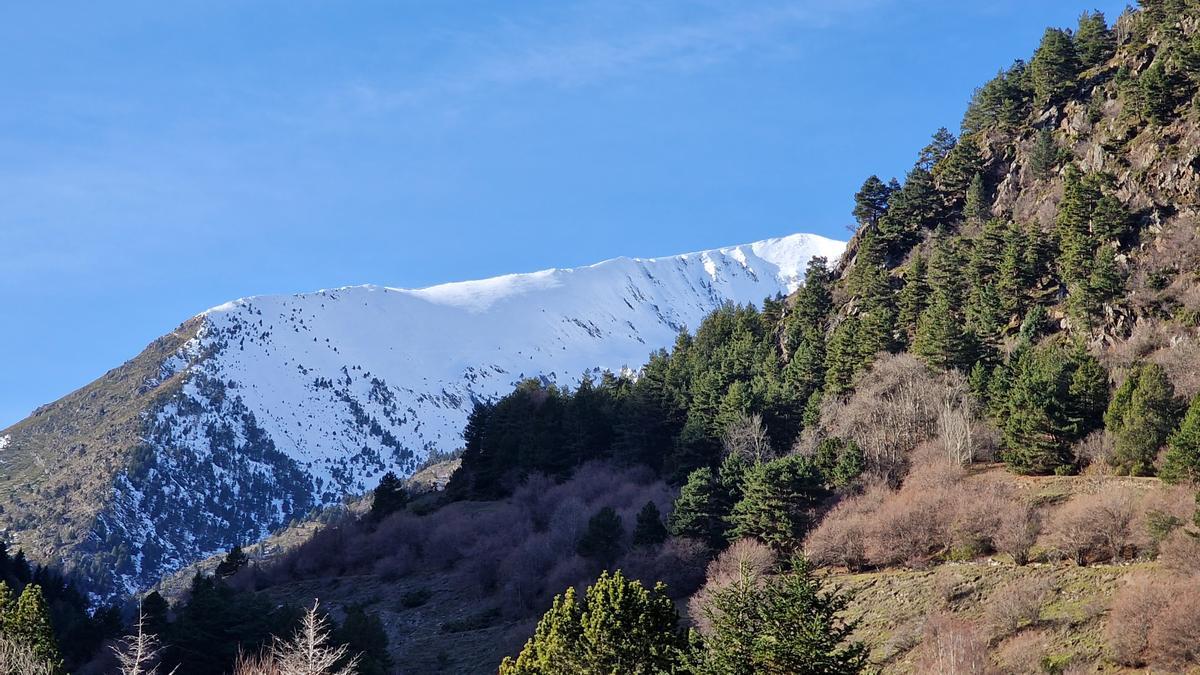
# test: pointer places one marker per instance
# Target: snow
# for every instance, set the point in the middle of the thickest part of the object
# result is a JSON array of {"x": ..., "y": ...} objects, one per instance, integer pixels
[
  {"x": 4, "y": 441},
  {"x": 352, "y": 382}
]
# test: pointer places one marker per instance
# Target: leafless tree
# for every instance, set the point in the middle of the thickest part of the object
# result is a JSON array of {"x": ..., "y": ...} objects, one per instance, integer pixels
[
  {"x": 138, "y": 654},
  {"x": 306, "y": 653},
  {"x": 747, "y": 436},
  {"x": 954, "y": 427}
]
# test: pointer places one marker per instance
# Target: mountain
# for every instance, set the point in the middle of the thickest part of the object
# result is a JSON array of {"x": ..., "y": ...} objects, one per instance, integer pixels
[{"x": 255, "y": 412}]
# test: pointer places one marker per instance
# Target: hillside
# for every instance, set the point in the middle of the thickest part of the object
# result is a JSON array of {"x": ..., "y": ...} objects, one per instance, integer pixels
[{"x": 254, "y": 413}]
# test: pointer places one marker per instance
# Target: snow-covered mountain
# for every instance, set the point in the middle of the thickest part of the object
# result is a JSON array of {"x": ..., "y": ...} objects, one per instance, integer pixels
[{"x": 256, "y": 411}]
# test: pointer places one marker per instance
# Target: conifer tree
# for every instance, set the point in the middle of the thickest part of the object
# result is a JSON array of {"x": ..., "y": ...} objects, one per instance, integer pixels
[
  {"x": 1038, "y": 429},
  {"x": 602, "y": 538},
  {"x": 1044, "y": 157},
  {"x": 31, "y": 625},
  {"x": 696, "y": 514},
  {"x": 1002, "y": 103},
  {"x": 1094, "y": 42},
  {"x": 1087, "y": 394},
  {"x": 234, "y": 560},
  {"x": 8, "y": 609},
  {"x": 619, "y": 626},
  {"x": 954, "y": 174},
  {"x": 1012, "y": 282},
  {"x": 914, "y": 297},
  {"x": 1156, "y": 94},
  {"x": 1182, "y": 461},
  {"x": 786, "y": 623},
  {"x": 871, "y": 201},
  {"x": 776, "y": 495},
  {"x": 977, "y": 208},
  {"x": 649, "y": 530},
  {"x": 938, "y": 149},
  {"x": 941, "y": 338},
  {"x": 1140, "y": 417},
  {"x": 1053, "y": 68}
]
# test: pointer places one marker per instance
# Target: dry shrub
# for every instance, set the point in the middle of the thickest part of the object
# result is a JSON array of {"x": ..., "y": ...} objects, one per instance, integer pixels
[
  {"x": 1180, "y": 552},
  {"x": 950, "y": 586},
  {"x": 1174, "y": 639},
  {"x": 1024, "y": 653},
  {"x": 952, "y": 645},
  {"x": 1133, "y": 614},
  {"x": 1020, "y": 525},
  {"x": 679, "y": 563},
  {"x": 1096, "y": 527},
  {"x": 745, "y": 557},
  {"x": 840, "y": 538},
  {"x": 1016, "y": 604},
  {"x": 895, "y": 407},
  {"x": 909, "y": 528},
  {"x": 19, "y": 658},
  {"x": 1095, "y": 453}
]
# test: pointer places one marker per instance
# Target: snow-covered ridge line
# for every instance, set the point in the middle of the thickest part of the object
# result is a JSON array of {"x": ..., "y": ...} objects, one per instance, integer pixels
[{"x": 294, "y": 401}]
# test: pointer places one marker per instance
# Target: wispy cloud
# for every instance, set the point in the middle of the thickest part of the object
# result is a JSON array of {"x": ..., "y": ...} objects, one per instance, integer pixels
[{"x": 579, "y": 54}]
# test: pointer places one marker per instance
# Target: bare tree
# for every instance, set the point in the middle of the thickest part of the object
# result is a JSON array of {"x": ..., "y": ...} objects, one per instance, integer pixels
[
  {"x": 19, "y": 658},
  {"x": 954, "y": 426},
  {"x": 308, "y": 651},
  {"x": 138, "y": 654},
  {"x": 747, "y": 436}
]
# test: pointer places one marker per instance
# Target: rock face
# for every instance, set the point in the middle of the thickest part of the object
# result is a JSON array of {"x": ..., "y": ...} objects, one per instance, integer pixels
[{"x": 255, "y": 412}]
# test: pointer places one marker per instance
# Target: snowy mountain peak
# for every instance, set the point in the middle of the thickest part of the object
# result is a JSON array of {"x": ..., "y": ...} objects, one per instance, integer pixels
[{"x": 270, "y": 406}]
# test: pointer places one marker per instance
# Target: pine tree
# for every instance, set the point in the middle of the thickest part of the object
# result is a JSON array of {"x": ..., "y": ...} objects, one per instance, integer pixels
[
  {"x": 1094, "y": 42},
  {"x": 871, "y": 201},
  {"x": 939, "y": 148},
  {"x": 1141, "y": 420},
  {"x": 234, "y": 560},
  {"x": 1156, "y": 94},
  {"x": 31, "y": 625},
  {"x": 8, "y": 609},
  {"x": 786, "y": 623},
  {"x": 940, "y": 336},
  {"x": 914, "y": 297},
  {"x": 1087, "y": 394},
  {"x": 390, "y": 496},
  {"x": 1002, "y": 103},
  {"x": 1053, "y": 67},
  {"x": 954, "y": 174},
  {"x": 1038, "y": 430},
  {"x": 618, "y": 627},
  {"x": 914, "y": 207},
  {"x": 1043, "y": 159},
  {"x": 649, "y": 530},
  {"x": 977, "y": 208},
  {"x": 696, "y": 514},
  {"x": 1012, "y": 282},
  {"x": 776, "y": 495},
  {"x": 1182, "y": 461},
  {"x": 601, "y": 540}
]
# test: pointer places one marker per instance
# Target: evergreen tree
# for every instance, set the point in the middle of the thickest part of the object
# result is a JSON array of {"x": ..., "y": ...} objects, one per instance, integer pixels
[
  {"x": 234, "y": 560},
  {"x": 1140, "y": 418},
  {"x": 941, "y": 338},
  {"x": 782, "y": 624},
  {"x": 914, "y": 207},
  {"x": 1043, "y": 158},
  {"x": 776, "y": 497},
  {"x": 1094, "y": 42},
  {"x": 1182, "y": 461},
  {"x": 696, "y": 514},
  {"x": 914, "y": 297},
  {"x": 1087, "y": 394},
  {"x": 601, "y": 540},
  {"x": 8, "y": 609},
  {"x": 954, "y": 174},
  {"x": 618, "y": 627},
  {"x": 871, "y": 201},
  {"x": 1156, "y": 94},
  {"x": 154, "y": 614},
  {"x": 31, "y": 626},
  {"x": 1003, "y": 102},
  {"x": 1012, "y": 279},
  {"x": 1038, "y": 428},
  {"x": 939, "y": 148},
  {"x": 1053, "y": 68},
  {"x": 390, "y": 496},
  {"x": 363, "y": 634},
  {"x": 977, "y": 207},
  {"x": 649, "y": 530}
]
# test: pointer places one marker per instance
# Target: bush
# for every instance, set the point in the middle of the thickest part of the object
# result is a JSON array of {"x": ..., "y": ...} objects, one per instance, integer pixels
[
  {"x": 1174, "y": 640},
  {"x": 1134, "y": 610},
  {"x": 1020, "y": 524},
  {"x": 840, "y": 538},
  {"x": 1015, "y": 605},
  {"x": 415, "y": 598},
  {"x": 1096, "y": 527},
  {"x": 951, "y": 645}
]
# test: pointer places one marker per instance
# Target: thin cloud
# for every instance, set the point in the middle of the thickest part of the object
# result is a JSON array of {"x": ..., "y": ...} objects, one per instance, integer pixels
[{"x": 680, "y": 45}]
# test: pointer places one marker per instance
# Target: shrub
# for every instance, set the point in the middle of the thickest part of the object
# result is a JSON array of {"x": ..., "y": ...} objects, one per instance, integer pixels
[
  {"x": 840, "y": 538},
  {"x": 1095, "y": 527},
  {"x": 1174, "y": 640},
  {"x": 1134, "y": 609},
  {"x": 1020, "y": 524},
  {"x": 951, "y": 645},
  {"x": 1180, "y": 552},
  {"x": 1015, "y": 605},
  {"x": 415, "y": 598}
]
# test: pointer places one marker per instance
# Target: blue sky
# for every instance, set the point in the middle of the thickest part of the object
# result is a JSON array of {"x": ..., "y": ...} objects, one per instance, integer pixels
[{"x": 159, "y": 158}]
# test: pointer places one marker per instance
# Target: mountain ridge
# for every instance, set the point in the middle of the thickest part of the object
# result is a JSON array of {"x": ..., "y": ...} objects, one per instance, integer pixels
[{"x": 257, "y": 411}]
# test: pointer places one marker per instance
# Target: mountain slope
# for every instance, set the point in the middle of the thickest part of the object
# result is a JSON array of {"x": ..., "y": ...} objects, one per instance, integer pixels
[{"x": 256, "y": 411}]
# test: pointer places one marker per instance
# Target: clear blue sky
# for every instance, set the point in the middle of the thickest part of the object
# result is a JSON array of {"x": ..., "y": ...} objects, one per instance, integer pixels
[{"x": 159, "y": 158}]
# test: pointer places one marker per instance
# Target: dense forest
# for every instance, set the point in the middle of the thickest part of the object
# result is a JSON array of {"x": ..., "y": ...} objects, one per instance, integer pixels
[{"x": 1020, "y": 309}]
